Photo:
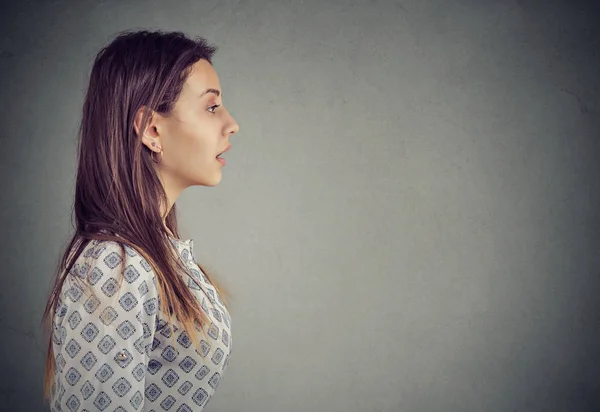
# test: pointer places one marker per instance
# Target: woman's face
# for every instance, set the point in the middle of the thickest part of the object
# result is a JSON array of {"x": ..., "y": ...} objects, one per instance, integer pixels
[{"x": 193, "y": 135}]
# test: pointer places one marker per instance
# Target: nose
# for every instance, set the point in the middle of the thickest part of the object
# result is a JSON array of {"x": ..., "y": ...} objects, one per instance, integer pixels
[{"x": 234, "y": 128}]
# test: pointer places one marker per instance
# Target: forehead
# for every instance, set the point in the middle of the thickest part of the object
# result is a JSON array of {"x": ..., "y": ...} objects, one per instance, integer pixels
[{"x": 202, "y": 76}]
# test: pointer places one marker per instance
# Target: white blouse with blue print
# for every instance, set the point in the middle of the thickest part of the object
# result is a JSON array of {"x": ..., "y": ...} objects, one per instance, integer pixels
[{"x": 116, "y": 352}]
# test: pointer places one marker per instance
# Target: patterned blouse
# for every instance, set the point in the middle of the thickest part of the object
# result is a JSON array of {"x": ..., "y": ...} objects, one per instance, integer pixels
[{"x": 116, "y": 352}]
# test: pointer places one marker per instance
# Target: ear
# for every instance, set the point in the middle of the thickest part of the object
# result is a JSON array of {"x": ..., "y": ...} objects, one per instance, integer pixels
[
  {"x": 150, "y": 134},
  {"x": 137, "y": 121}
]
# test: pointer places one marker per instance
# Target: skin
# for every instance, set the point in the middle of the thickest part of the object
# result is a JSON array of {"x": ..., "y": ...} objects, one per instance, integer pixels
[{"x": 191, "y": 136}]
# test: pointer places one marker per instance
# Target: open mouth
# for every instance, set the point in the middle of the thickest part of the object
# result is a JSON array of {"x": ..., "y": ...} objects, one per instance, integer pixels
[
  {"x": 219, "y": 158},
  {"x": 223, "y": 152}
]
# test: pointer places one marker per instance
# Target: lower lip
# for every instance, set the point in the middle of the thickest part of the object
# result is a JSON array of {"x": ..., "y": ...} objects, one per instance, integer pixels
[{"x": 222, "y": 161}]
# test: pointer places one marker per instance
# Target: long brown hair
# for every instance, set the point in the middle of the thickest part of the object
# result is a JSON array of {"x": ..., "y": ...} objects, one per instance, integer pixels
[{"x": 118, "y": 195}]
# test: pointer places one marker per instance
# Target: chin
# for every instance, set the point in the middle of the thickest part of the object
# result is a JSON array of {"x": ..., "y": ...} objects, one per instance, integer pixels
[{"x": 214, "y": 181}]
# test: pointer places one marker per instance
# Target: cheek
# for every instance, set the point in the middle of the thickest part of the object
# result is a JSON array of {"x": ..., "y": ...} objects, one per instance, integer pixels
[
  {"x": 195, "y": 144},
  {"x": 196, "y": 151}
]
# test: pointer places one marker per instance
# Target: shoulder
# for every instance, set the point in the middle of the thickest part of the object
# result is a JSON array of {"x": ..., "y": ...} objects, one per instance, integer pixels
[
  {"x": 101, "y": 257},
  {"x": 107, "y": 277},
  {"x": 97, "y": 249}
]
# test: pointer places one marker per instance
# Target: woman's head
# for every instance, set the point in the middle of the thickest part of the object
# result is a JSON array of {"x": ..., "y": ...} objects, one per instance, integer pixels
[
  {"x": 192, "y": 133},
  {"x": 147, "y": 100}
]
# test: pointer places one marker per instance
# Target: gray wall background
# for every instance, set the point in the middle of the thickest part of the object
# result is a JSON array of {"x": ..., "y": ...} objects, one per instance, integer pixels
[{"x": 408, "y": 217}]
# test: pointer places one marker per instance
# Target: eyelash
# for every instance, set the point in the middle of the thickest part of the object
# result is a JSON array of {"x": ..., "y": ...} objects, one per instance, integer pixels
[{"x": 215, "y": 106}]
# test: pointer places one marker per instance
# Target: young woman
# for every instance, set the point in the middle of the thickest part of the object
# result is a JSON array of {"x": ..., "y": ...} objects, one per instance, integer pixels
[{"x": 134, "y": 323}]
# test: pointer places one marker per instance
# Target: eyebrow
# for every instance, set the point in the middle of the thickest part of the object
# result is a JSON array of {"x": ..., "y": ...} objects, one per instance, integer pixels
[{"x": 215, "y": 91}]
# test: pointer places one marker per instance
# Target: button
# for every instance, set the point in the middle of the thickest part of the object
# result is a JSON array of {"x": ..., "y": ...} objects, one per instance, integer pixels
[{"x": 121, "y": 355}]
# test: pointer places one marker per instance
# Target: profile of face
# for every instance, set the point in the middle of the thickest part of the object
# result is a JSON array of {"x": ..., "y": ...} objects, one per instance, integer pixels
[{"x": 193, "y": 134}]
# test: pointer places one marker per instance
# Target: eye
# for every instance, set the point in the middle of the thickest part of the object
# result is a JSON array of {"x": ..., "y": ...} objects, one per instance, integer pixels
[{"x": 215, "y": 107}]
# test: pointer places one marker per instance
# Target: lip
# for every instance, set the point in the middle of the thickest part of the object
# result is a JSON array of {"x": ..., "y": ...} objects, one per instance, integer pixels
[{"x": 228, "y": 147}]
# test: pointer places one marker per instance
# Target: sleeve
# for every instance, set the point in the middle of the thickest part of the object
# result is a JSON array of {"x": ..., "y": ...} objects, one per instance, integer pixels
[{"x": 106, "y": 338}]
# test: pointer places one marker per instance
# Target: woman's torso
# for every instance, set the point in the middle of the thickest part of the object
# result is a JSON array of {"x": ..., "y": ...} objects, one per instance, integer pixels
[{"x": 175, "y": 376}]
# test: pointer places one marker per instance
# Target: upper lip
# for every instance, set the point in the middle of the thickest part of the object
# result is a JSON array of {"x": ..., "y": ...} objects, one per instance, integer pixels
[{"x": 228, "y": 147}]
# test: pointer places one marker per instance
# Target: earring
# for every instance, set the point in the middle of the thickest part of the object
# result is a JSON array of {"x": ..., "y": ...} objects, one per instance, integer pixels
[{"x": 152, "y": 155}]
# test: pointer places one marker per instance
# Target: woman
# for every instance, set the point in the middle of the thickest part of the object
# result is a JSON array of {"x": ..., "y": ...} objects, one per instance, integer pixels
[{"x": 134, "y": 322}]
